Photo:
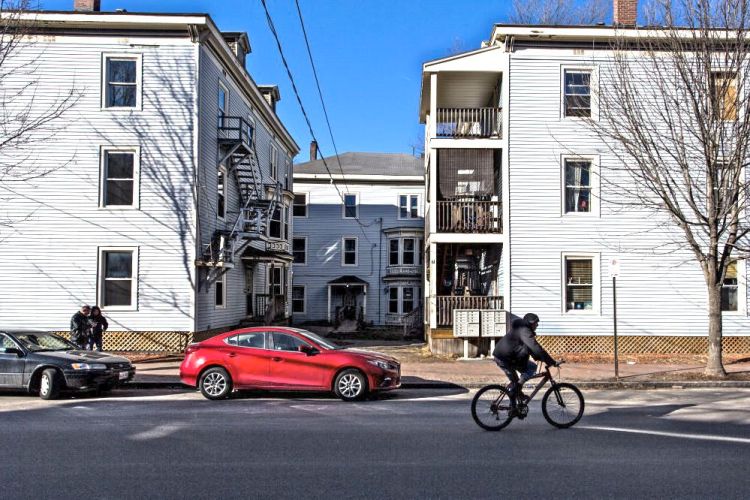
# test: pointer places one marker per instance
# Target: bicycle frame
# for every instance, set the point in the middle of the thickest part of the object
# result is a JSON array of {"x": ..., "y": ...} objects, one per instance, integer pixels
[{"x": 546, "y": 376}]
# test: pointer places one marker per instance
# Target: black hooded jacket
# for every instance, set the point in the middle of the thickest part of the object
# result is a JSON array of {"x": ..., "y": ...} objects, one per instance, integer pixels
[{"x": 516, "y": 346}]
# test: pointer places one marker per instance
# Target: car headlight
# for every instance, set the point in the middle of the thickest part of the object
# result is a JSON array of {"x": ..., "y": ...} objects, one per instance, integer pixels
[
  {"x": 89, "y": 366},
  {"x": 380, "y": 364}
]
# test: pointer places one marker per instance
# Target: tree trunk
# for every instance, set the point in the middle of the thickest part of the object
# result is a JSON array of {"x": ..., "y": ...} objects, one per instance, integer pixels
[{"x": 714, "y": 365}]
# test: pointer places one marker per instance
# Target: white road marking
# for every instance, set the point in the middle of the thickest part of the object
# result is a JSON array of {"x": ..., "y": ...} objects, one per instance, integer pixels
[
  {"x": 160, "y": 431},
  {"x": 700, "y": 437}
]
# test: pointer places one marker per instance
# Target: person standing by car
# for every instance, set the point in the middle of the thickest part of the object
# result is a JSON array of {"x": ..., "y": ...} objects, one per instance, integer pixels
[
  {"x": 98, "y": 325},
  {"x": 79, "y": 327}
]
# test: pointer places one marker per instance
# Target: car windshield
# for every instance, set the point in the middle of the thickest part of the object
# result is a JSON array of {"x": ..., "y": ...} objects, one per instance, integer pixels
[
  {"x": 327, "y": 344},
  {"x": 43, "y": 342}
]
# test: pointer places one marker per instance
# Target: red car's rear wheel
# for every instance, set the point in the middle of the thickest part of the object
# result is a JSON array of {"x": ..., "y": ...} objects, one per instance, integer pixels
[{"x": 215, "y": 383}]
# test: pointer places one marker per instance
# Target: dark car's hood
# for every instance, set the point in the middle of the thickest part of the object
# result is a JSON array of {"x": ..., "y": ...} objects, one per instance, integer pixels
[
  {"x": 75, "y": 356},
  {"x": 372, "y": 355}
]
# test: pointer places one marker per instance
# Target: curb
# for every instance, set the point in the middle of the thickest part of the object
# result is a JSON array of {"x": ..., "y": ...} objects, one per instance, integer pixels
[{"x": 594, "y": 385}]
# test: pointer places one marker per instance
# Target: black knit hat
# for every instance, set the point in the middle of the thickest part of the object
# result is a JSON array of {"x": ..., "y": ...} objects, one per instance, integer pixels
[{"x": 531, "y": 318}]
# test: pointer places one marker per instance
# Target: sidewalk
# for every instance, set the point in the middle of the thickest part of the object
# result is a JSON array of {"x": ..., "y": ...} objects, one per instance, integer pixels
[{"x": 420, "y": 371}]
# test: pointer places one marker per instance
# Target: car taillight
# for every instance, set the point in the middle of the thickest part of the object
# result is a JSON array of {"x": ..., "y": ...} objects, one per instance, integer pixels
[{"x": 191, "y": 348}]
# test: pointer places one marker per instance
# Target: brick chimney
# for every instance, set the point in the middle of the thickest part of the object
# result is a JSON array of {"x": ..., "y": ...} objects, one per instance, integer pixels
[
  {"x": 625, "y": 12},
  {"x": 87, "y": 5},
  {"x": 313, "y": 150}
]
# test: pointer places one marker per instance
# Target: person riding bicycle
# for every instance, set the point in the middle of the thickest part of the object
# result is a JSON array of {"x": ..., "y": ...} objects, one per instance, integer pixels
[{"x": 512, "y": 354}]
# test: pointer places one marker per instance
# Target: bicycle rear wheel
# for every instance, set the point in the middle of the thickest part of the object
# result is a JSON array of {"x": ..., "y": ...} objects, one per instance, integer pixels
[
  {"x": 562, "y": 405},
  {"x": 490, "y": 408}
]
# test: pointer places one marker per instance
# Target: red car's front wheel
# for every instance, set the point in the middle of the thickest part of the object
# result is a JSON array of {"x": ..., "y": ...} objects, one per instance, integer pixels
[{"x": 350, "y": 385}]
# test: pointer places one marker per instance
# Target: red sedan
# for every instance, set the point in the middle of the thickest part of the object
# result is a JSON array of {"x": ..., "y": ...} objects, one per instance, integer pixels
[{"x": 274, "y": 358}]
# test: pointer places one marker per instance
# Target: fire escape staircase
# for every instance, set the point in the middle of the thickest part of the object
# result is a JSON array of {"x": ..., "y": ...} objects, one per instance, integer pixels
[{"x": 258, "y": 199}]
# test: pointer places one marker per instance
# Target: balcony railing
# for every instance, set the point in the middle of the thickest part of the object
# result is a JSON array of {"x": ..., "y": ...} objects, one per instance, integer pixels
[
  {"x": 469, "y": 217},
  {"x": 469, "y": 122},
  {"x": 404, "y": 270},
  {"x": 447, "y": 303},
  {"x": 235, "y": 129}
]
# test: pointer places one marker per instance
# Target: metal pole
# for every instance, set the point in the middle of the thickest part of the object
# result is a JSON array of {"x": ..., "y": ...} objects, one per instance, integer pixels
[{"x": 614, "y": 304}]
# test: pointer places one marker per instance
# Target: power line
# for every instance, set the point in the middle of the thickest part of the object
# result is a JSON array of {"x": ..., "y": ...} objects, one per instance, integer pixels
[{"x": 275, "y": 34}]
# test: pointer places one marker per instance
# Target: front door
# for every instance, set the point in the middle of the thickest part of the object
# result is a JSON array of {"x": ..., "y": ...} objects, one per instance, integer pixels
[
  {"x": 293, "y": 369},
  {"x": 11, "y": 365}
]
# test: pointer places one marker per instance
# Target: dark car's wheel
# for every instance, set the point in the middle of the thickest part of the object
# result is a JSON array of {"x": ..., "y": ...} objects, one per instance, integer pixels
[
  {"x": 215, "y": 383},
  {"x": 50, "y": 384},
  {"x": 350, "y": 385}
]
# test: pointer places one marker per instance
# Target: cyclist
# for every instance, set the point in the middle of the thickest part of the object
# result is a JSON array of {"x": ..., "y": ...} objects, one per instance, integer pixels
[{"x": 512, "y": 355}]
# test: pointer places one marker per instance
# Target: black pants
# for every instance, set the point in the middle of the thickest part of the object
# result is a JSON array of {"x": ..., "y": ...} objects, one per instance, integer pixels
[{"x": 511, "y": 370}]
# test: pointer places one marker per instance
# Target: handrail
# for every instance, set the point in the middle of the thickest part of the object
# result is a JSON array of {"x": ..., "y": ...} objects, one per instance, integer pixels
[
  {"x": 469, "y": 122},
  {"x": 235, "y": 128},
  {"x": 469, "y": 216},
  {"x": 447, "y": 303}
]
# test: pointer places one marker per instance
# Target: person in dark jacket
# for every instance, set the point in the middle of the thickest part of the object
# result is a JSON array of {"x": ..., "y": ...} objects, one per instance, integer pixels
[
  {"x": 79, "y": 327},
  {"x": 98, "y": 324},
  {"x": 512, "y": 353}
]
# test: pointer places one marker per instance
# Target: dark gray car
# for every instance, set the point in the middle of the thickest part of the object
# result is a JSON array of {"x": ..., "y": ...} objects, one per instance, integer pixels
[{"x": 45, "y": 363}]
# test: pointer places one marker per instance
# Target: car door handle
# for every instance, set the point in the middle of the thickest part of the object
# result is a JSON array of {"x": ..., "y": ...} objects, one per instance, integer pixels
[
  {"x": 232, "y": 354},
  {"x": 277, "y": 359}
]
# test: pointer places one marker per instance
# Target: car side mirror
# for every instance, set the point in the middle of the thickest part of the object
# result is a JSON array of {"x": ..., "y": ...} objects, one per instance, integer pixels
[
  {"x": 309, "y": 350},
  {"x": 13, "y": 350}
]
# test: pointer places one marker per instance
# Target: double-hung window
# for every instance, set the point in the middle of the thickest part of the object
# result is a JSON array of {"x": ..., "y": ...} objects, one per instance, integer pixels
[
  {"x": 351, "y": 207},
  {"x": 119, "y": 178},
  {"x": 577, "y": 93},
  {"x": 274, "y": 228},
  {"x": 393, "y": 300},
  {"x": 393, "y": 252},
  {"x": 220, "y": 292},
  {"x": 724, "y": 94},
  {"x": 408, "y": 206},
  {"x": 118, "y": 277},
  {"x": 408, "y": 254},
  {"x": 349, "y": 257},
  {"x": 298, "y": 299},
  {"x": 299, "y": 250},
  {"x": 578, "y": 185},
  {"x": 299, "y": 206},
  {"x": 579, "y": 283},
  {"x": 122, "y": 78},
  {"x": 730, "y": 289}
]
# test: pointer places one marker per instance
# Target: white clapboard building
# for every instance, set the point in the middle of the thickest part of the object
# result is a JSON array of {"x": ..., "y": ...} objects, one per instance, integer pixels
[
  {"x": 358, "y": 239},
  {"x": 167, "y": 192},
  {"x": 514, "y": 214}
]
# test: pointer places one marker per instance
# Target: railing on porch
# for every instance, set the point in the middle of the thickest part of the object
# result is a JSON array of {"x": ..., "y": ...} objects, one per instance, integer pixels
[
  {"x": 469, "y": 122},
  {"x": 447, "y": 303},
  {"x": 269, "y": 307},
  {"x": 469, "y": 216}
]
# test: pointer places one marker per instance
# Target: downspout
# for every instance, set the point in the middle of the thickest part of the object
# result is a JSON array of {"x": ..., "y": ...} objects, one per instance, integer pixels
[
  {"x": 381, "y": 319},
  {"x": 196, "y": 38}
]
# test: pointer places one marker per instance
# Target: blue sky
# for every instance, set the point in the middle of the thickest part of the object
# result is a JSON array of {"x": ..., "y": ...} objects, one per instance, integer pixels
[{"x": 368, "y": 54}]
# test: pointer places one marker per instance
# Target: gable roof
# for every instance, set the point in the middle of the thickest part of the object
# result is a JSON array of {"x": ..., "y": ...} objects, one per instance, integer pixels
[{"x": 355, "y": 164}]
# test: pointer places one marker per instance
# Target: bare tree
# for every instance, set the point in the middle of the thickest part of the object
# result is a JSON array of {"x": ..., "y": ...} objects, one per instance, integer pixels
[
  {"x": 674, "y": 107},
  {"x": 559, "y": 12},
  {"x": 27, "y": 118}
]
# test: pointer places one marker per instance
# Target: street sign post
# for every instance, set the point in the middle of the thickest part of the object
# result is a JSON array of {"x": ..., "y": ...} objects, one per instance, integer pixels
[{"x": 614, "y": 272}]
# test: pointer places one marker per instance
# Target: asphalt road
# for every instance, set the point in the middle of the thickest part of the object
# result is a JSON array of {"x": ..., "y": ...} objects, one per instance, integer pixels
[{"x": 414, "y": 444}]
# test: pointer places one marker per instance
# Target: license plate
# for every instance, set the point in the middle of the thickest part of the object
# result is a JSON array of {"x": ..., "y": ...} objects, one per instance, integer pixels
[{"x": 123, "y": 375}]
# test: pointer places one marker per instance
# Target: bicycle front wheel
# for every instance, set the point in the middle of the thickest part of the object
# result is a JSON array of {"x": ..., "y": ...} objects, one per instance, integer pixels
[
  {"x": 490, "y": 408},
  {"x": 562, "y": 405}
]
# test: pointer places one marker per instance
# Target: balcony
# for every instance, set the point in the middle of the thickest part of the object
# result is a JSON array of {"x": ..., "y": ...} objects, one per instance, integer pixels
[
  {"x": 235, "y": 130},
  {"x": 469, "y": 123},
  {"x": 469, "y": 216},
  {"x": 447, "y": 303}
]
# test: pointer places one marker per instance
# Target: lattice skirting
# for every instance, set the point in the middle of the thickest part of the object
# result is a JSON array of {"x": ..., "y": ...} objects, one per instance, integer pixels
[
  {"x": 143, "y": 341},
  {"x": 640, "y": 344}
]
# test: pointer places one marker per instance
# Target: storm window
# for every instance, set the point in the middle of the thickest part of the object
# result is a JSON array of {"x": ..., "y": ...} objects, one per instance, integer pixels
[
  {"x": 577, "y": 93},
  {"x": 121, "y": 82},
  {"x": 577, "y": 186},
  {"x": 351, "y": 210},
  {"x": 579, "y": 284},
  {"x": 119, "y": 178},
  {"x": 118, "y": 283},
  {"x": 350, "y": 251}
]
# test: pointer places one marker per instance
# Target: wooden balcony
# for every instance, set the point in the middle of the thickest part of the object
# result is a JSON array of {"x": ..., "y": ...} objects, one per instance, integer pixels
[
  {"x": 447, "y": 303},
  {"x": 469, "y": 217},
  {"x": 469, "y": 122}
]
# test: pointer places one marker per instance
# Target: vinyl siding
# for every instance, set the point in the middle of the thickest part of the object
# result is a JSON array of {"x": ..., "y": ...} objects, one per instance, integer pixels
[
  {"x": 660, "y": 291},
  {"x": 49, "y": 257},
  {"x": 325, "y": 228}
]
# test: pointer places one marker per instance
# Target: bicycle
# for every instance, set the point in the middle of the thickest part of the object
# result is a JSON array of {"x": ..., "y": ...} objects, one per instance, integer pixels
[{"x": 562, "y": 404}]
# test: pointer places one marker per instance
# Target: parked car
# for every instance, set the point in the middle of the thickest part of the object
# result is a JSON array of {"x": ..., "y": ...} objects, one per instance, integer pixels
[
  {"x": 275, "y": 358},
  {"x": 45, "y": 363}
]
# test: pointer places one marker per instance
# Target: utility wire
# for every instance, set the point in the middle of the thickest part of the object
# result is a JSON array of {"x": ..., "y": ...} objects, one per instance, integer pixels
[{"x": 275, "y": 34}]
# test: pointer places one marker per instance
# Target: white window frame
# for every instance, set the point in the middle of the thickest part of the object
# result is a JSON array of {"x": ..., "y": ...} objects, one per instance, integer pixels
[
  {"x": 223, "y": 281},
  {"x": 101, "y": 279},
  {"x": 594, "y": 91},
  {"x": 409, "y": 196},
  {"x": 741, "y": 290},
  {"x": 138, "y": 57},
  {"x": 307, "y": 205},
  {"x": 304, "y": 299},
  {"x": 343, "y": 251},
  {"x": 136, "y": 151},
  {"x": 295, "y": 237},
  {"x": 596, "y": 297},
  {"x": 595, "y": 207},
  {"x": 273, "y": 159},
  {"x": 356, "y": 206},
  {"x": 222, "y": 112},
  {"x": 222, "y": 169},
  {"x": 398, "y": 300}
]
